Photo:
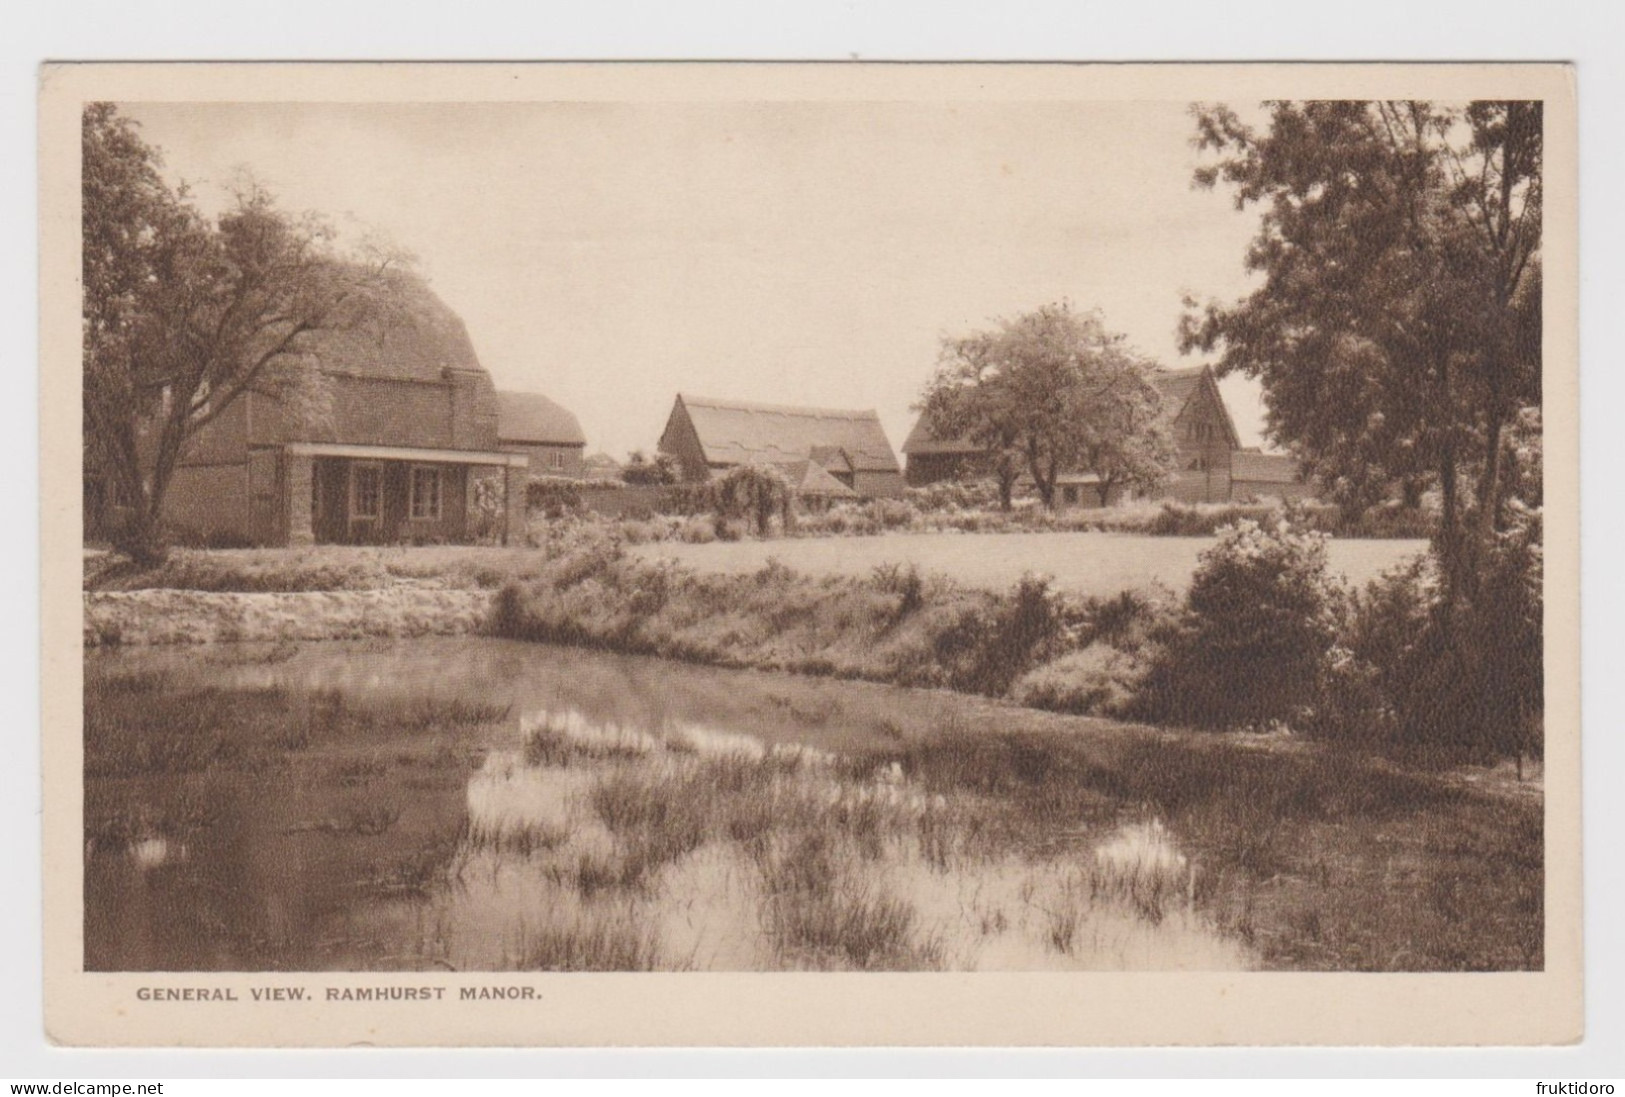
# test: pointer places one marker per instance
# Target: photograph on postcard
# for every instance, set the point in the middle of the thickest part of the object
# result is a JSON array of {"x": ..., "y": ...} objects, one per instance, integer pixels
[{"x": 832, "y": 533}]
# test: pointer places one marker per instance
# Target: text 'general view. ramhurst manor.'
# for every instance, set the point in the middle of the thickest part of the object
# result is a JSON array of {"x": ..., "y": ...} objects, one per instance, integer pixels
[{"x": 1218, "y": 652}]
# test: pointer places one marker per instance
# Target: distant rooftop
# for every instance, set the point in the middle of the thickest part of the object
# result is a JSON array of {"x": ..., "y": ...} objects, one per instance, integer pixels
[
  {"x": 529, "y": 417},
  {"x": 737, "y": 432}
]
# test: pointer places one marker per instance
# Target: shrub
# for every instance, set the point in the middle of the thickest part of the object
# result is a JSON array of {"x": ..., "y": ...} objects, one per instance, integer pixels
[
  {"x": 553, "y": 498},
  {"x": 986, "y": 649},
  {"x": 906, "y": 582},
  {"x": 1260, "y": 620},
  {"x": 641, "y": 470},
  {"x": 685, "y": 499},
  {"x": 893, "y": 513},
  {"x": 952, "y": 495},
  {"x": 755, "y": 494},
  {"x": 1415, "y": 673},
  {"x": 1099, "y": 680}
]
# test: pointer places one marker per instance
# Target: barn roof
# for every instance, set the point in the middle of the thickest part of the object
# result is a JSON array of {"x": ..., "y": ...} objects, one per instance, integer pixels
[
  {"x": 1266, "y": 468},
  {"x": 530, "y": 417},
  {"x": 417, "y": 339},
  {"x": 1174, "y": 386},
  {"x": 809, "y": 478},
  {"x": 732, "y": 432}
]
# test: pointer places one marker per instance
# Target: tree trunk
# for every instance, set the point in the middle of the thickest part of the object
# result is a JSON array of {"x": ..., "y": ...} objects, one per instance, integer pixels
[
  {"x": 141, "y": 536},
  {"x": 1489, "y": 492},
  {"x": 1105, "y": 490},
  {"x": 1411, "y": 491}
]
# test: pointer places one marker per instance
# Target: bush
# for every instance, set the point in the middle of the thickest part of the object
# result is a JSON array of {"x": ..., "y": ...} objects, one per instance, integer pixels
[
  {"x": 1261, "y": 617},
  {"x": 756, "y": 495},
  {"x": 987, "y": 649},
  {"x": 685, "y": 500},
  {"x": 952, "y": 496},
  {"x": 641, "y": 470},
  {"x": 1413, "y": 673},
  {"x": 894, "y": 513},
  {"x": 1099, "y": 680},
  {"x": 553, "y": 498}
]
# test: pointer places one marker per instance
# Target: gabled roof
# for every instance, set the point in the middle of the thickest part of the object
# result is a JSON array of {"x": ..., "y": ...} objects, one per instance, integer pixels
[
  {"x": 922, "y": 440},
  {"x": 832, "y": 458},
  {"x": 1176, "y": 387},
  {"x": 810, "y": 478},
  {"x": 732, "y": 432},
  {"x": 529, "y": 417},
  {"x": 1266, "y": 468}
]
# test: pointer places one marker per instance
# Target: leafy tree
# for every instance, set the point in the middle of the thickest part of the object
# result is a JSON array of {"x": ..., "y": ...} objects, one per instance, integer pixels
[
  {"x": 754, "y": 494},
  {"x": 640, "y": 469},
  {"x": 1397, "y": 327},
  {"x": 183, "y": 314},
  {"x": 1053, "y": 391}
]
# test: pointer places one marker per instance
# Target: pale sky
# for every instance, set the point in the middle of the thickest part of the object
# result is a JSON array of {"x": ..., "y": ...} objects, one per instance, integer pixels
[{"x": 612, "y": 255}]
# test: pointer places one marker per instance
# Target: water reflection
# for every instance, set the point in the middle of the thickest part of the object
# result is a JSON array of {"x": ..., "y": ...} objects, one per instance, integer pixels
[{"x": 620, "y": 815}]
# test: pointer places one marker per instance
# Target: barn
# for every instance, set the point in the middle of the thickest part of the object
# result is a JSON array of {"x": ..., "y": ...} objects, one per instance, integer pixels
[{"x": 707, "y": 436}]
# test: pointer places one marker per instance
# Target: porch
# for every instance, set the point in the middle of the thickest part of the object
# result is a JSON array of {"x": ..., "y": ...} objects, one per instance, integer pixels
[{"x": 387, "y": 495}]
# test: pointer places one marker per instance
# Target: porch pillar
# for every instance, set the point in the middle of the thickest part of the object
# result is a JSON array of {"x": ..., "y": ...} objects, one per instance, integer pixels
[
  {"x": 301, "y": 474},
  {"x": 511, "y": 502}
]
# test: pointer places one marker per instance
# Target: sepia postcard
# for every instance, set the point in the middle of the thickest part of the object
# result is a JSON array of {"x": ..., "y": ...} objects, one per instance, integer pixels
[{"x": 810, "y": 554}]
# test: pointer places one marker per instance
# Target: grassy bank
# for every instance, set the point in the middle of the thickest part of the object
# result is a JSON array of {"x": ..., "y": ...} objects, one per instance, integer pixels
[
  {"x": 195, "y": 617},
  {"x": 432, "y": 833}
]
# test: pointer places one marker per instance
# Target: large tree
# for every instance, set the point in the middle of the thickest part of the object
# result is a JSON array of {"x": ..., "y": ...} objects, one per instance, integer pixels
[
  {"x": 1396, "y": 329},
  {"x": 183, "y": 314},
  {"x": 1049, "y": 392}
]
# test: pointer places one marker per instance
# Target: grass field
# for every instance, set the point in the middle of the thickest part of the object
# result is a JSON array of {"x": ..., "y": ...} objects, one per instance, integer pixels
[{"x": 1088, "y": 563}]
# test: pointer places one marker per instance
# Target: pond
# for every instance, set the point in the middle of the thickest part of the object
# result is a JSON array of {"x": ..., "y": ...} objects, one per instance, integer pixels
[{"x": 480, "y": 804}]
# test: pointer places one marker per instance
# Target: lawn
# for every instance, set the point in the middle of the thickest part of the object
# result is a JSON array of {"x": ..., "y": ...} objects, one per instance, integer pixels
[{"x": 1088, "y": 563}]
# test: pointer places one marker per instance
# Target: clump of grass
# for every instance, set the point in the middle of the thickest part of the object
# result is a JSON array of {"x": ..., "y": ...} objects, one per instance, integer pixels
[
  {"x": 430, "y": 713},
  {"x": 552, "y": 742},
  {"x": 605, "y": 943},
  {"x": 521, "y": 837},
  {"x": 813, "y": 910},
  {"x": 656, "y": 815},
  {"x": 591, "y": 872}
]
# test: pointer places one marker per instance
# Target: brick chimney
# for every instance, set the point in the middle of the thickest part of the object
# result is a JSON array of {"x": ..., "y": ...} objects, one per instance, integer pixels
[{"x": 462, "y": 388}]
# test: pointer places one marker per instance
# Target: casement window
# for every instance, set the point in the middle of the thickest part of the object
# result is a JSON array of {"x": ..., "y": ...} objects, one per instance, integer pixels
[
  {"x": 557, "y": 459},
  {"x": 366, "y": 490},
  {"x": 425, "y": 503}
]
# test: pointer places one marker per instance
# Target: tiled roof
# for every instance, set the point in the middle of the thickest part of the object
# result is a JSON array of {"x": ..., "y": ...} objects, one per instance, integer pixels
[
  {"x": 1267, "y": 468},
  {"x": 732, "y": 432},
  {"x": 532, "y": 417}
]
